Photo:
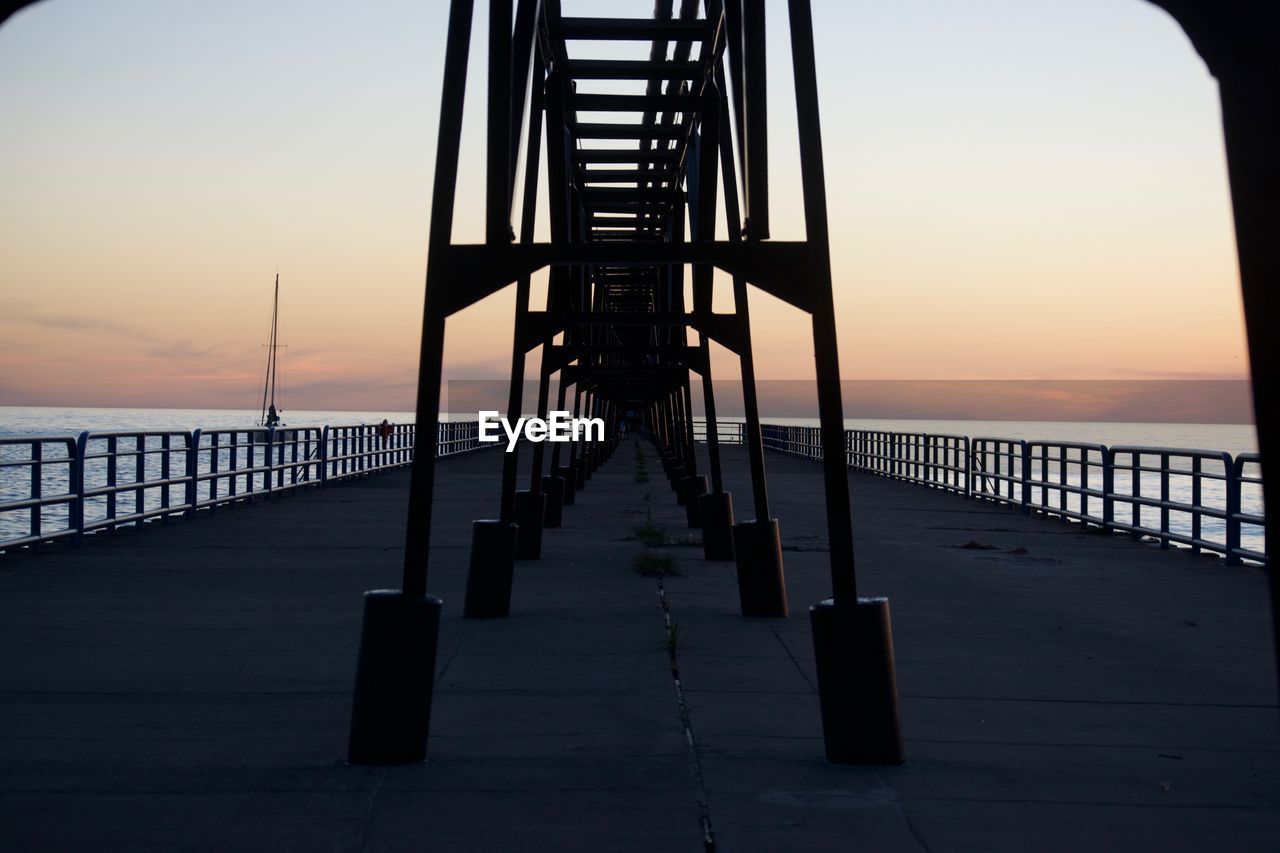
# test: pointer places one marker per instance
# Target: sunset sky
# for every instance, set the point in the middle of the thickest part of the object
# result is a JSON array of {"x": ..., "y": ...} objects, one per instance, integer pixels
[{"x": 1019, "y": 189}]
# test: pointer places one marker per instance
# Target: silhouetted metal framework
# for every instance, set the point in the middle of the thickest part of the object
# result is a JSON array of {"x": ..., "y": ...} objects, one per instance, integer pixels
[
  {"x": 639, "y": 153},
  {"x": 1236, "y": 39}
]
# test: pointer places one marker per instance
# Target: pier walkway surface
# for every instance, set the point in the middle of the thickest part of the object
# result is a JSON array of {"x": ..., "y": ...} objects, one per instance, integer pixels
[{"x": 188, "y": 686}]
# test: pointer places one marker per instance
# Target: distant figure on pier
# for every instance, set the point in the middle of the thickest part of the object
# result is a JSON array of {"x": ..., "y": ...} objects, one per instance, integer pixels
[
  {"x": 273, "y": 417},
  {"x": 384, "y": 431}
]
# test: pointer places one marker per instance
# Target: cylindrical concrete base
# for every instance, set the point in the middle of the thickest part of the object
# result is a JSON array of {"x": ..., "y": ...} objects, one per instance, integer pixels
[
  {"x": 693, "y": 488},
  {"x": 493, "y": 555},
  {"x": 391, "y": 707},
  {"x": 530, "y": 509},
  {"x": 717, "y": 526},
  {"x": 565, "y": 472},
  {"x": 762, "y": 588},
  {"x": 553, "y": 488},
  {"x": 857, "y": 687}
]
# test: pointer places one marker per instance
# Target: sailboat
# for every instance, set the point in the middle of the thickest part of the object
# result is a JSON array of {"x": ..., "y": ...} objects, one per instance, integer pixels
[{"x": 270, "y": 414}]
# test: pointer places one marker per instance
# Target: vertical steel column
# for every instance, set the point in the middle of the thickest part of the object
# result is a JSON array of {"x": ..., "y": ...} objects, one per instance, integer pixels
[
  {"x": 527, "y": 508},
  {"x": 391, "y": 705},
  {"x": 755, "y": 164},
  {"x": 715, "y": 510},
  {"x": 757, "y": 544},
  {"x": 494, "y": 540},
  {"x": 1250, "y": 96},
  {"x": 853, "y": 640}
]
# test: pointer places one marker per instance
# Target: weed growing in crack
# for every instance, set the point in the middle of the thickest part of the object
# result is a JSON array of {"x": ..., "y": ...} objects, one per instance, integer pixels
[
  {"x": 655, "y": 565},
  {"x": 649, "y": 534}
]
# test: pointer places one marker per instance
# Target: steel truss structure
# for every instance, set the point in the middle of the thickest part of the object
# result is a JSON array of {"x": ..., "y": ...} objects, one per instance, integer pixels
[
  {"x": 627, "y": 268},
  {"x": 639, "y": 153}
]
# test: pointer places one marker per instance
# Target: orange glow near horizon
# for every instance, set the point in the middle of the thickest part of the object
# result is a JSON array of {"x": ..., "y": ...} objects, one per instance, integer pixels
[{"x": 1006, "y": 201}]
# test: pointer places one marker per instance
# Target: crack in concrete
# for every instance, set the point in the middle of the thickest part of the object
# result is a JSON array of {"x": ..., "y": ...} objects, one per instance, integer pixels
[{"x": 699, "y": 780}]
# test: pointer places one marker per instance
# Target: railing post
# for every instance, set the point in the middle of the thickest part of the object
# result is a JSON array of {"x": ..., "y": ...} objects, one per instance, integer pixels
[
  {"x": 76, "y": 511},
  {"x": 1164, "y": 500},
  {"x": 139, "y": 478},
  {"x": 1108, "y": 488},
  {"x": 324, "y": 455},
  {"x": 281, "y": 457},
  {"x": 37, "y": 490},
  {"x": 1197, "y": 501},
  {"x": 269, "y": 460},
  {"x": 193, "y": 470},
  {"x": 1025, "y": 477},
  {"x": 1232, "y": 485},
  {"x": 166, "y": 471}
]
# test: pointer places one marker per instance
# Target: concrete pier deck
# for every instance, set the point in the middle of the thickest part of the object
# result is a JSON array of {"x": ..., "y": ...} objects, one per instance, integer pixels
[{"x": 188, "y": 686}]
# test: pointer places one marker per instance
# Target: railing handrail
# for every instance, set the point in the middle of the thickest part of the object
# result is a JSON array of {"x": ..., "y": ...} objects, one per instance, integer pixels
[
  {"x": 1172, "y": 451},
  {"x": 140, "y": 475},
  {"x": 248, "y": 462},
  {"x": 1076, "y": 480}
]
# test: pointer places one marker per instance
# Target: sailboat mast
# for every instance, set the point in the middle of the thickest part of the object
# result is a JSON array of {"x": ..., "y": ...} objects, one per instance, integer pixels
[
  {"x": 269, "y": 382},
  {"x": 275, "y": 316}
]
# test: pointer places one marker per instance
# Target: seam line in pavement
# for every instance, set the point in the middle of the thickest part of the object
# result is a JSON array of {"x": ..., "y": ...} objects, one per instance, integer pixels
[
  {"x": 704, "y": 807},
  {"x": 813, "y": 688}
]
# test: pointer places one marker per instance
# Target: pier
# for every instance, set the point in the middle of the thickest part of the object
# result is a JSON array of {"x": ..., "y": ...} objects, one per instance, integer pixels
[
  {"x": 584, "y": 644},
  {"x": 189, "y": 684}
]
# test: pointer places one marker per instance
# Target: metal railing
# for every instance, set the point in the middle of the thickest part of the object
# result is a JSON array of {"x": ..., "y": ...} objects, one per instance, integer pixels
[
  {"x": 49, "y": 465},
  {"x": 1143, "y": 502},
  {"x": 130, "y": 477},
  {"x": 63, "y": 486},
  {"x": 727, "y": 432},
  {"x": 1204, "y": 500},
  {"x": 997, "y": 468},
  {"x": 792, "y": 440},
  {"x": 1067, "y": 479},
  {"x": 940, "y": 461},
  {"x": 1247, "y": 472}
]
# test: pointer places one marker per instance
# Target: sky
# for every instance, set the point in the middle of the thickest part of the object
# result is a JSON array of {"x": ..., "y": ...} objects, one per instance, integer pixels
[{"x": 1018, "y": 189}]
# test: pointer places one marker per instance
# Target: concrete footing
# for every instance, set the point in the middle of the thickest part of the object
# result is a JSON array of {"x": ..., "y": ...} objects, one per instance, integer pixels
[
  {"x": 530, "y": 510},
  {"x": 762, "y": 587},
  {"x": 693, "y": 488},
  {"x": 553, "y": 488},
  {"x": 493, "y": 555},
  {"x": 857, "y": 687},
  {"x": 717, "y": 525},
  {"x": 391, "y": 706},
  {"x": 570, "y": 493}
]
